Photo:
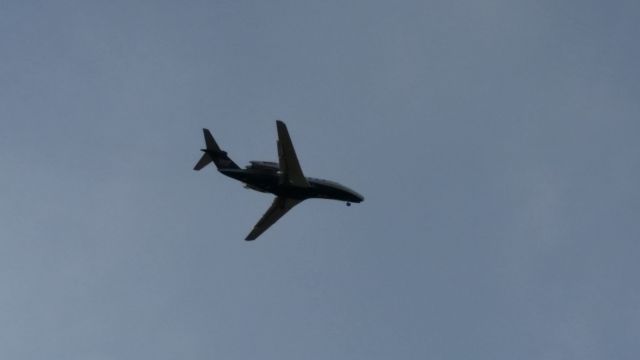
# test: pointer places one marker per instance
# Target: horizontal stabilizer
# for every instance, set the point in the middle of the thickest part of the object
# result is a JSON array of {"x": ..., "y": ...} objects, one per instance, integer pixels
[{"x": 204, "y": 161}]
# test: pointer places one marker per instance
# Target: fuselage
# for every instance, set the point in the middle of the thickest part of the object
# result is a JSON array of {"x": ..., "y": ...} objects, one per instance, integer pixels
[{"x": 269, "y": 179}]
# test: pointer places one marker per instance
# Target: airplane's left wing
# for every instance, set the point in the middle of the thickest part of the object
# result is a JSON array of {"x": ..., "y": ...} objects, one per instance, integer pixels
[
  {"x": 279, "y": 207},
  {"x": 288, "y": 160}
]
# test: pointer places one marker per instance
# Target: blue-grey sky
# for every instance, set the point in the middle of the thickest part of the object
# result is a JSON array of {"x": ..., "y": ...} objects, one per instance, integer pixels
[{"x": 496, "y": 143}]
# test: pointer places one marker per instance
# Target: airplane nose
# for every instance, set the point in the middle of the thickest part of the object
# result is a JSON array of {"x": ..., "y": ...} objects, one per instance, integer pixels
[{"x": 357, "y": 197}]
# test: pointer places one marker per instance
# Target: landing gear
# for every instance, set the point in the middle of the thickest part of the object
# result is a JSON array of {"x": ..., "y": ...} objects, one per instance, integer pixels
[{"x": 348, "y": 203}]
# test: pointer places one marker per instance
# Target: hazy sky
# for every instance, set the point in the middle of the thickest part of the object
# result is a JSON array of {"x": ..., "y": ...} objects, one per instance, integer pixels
[{"x": 496, "y": 143}]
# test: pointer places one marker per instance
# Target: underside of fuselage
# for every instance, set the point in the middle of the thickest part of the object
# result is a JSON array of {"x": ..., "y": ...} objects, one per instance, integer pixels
[{"x": 272, "y": 182}]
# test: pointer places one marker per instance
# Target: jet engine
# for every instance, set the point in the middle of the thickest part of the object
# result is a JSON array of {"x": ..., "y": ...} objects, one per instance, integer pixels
[{"x": 263, "y": 165}]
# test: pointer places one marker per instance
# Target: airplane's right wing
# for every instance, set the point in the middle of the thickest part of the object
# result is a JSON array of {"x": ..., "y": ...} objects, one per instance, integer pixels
[
  {"x": 288, "y": 160},
  {"x": 279, "y": 207}
]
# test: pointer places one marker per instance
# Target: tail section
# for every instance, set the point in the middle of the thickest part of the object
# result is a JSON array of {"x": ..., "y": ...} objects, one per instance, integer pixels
[
  {"x": 215, "y": 154},
  {"x": 204, "y": 161}
]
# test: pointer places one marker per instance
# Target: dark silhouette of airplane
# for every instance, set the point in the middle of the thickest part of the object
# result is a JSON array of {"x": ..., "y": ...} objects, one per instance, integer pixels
[{"x": 283, "y": 179}]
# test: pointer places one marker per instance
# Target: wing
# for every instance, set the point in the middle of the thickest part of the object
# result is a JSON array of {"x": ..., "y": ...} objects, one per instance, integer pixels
[
  {"x": 279, "y": 207},
  {"x": 288, "y": 160}
]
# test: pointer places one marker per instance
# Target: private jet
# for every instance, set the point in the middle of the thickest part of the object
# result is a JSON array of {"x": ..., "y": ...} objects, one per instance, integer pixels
[{"x": 284, "y": 179}]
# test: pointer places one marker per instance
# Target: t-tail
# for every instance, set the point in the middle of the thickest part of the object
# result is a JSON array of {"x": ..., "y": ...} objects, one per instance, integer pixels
[{"x": 215, "y": 154}]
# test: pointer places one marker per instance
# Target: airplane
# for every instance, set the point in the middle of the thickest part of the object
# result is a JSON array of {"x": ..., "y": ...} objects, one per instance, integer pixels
[{"x": 284, "y": 179}]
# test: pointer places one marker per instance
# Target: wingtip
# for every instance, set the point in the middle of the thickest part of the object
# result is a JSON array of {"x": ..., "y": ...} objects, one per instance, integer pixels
[{"x": 252, "y": 235}]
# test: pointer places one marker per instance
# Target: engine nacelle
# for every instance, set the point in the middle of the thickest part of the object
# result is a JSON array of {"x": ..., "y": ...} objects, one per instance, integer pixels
[{"x": 263, "y": 165}]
